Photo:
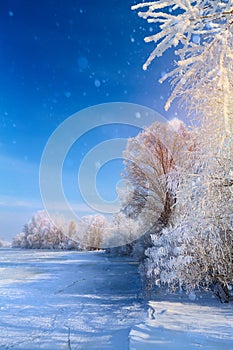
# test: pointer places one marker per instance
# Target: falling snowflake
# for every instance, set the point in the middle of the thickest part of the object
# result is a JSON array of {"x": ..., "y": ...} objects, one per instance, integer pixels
[{"x": 97, "y": 83}]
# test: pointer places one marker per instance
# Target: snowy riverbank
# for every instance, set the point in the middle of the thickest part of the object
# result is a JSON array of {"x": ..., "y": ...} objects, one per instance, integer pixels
[
  {"x": 176, "y": 322},
  {"x": 70, "y": 300}
]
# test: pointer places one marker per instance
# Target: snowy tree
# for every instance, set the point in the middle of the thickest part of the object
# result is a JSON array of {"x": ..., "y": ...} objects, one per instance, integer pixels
[
  {"x": 92, "y": 231},
  {"x": 72, "y": 238},
  {"x": 152, "y": 162},
  {"x": 42, "y": 233},
  {"x": 20, "y": 241},
  {"x": 122, "y": 234},
  {"x": 197, "y": 250}
]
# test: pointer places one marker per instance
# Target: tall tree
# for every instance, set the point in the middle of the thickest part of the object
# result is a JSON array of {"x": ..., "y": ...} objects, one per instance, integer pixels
[
  {"x": 197, "y": 250},
  {"x": 152, "y": 162}
]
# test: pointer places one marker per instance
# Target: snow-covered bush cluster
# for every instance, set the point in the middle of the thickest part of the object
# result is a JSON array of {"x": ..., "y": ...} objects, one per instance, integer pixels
[
  {"x": 195, "y": 248},
  {"x": 42, "y": 233},
  {"x": 90, "y": 233},
  {"x": 4, "y": 244},
  {"x": 122, "y": 234}
]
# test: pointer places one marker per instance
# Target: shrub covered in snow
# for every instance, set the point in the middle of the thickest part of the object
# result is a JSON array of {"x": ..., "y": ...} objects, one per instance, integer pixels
[
  {"x": 92, "y": 231},
  {"x": 122, "y": 234},
  {"x": 197, "y": 250},
  {"x": 41, "y": 233}
]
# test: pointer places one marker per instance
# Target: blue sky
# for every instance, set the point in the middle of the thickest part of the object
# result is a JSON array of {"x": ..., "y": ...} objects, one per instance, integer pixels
[{"x": 57, "y": 58}]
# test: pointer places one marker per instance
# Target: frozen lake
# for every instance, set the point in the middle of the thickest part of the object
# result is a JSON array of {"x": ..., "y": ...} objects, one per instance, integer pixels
[
  {"x": 67, "y": 300},
  {"x": 71, "y": 300}
]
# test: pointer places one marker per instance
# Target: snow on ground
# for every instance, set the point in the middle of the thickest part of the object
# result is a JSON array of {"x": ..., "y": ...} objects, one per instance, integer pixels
[
  {"x": 189, "y": 323},
  {"x": 71, "y": 300},
  {"x": 67, "y": 300}
]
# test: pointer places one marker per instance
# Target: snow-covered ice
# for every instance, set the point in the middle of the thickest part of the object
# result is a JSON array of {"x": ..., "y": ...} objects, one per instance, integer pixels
[
  {"x": 67, "y": 300},
  {"x": 72, "y": 300},
  {"x": 178, "y": 322}
]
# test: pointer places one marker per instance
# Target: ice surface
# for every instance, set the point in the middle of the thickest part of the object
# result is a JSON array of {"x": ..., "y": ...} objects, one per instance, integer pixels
[
  {"x": 72, "y": 300},
  {"x": 67, "y": 300}
]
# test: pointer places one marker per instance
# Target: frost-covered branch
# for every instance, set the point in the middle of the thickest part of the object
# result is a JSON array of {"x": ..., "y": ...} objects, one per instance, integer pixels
[{"x": 203, "y": 34}]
